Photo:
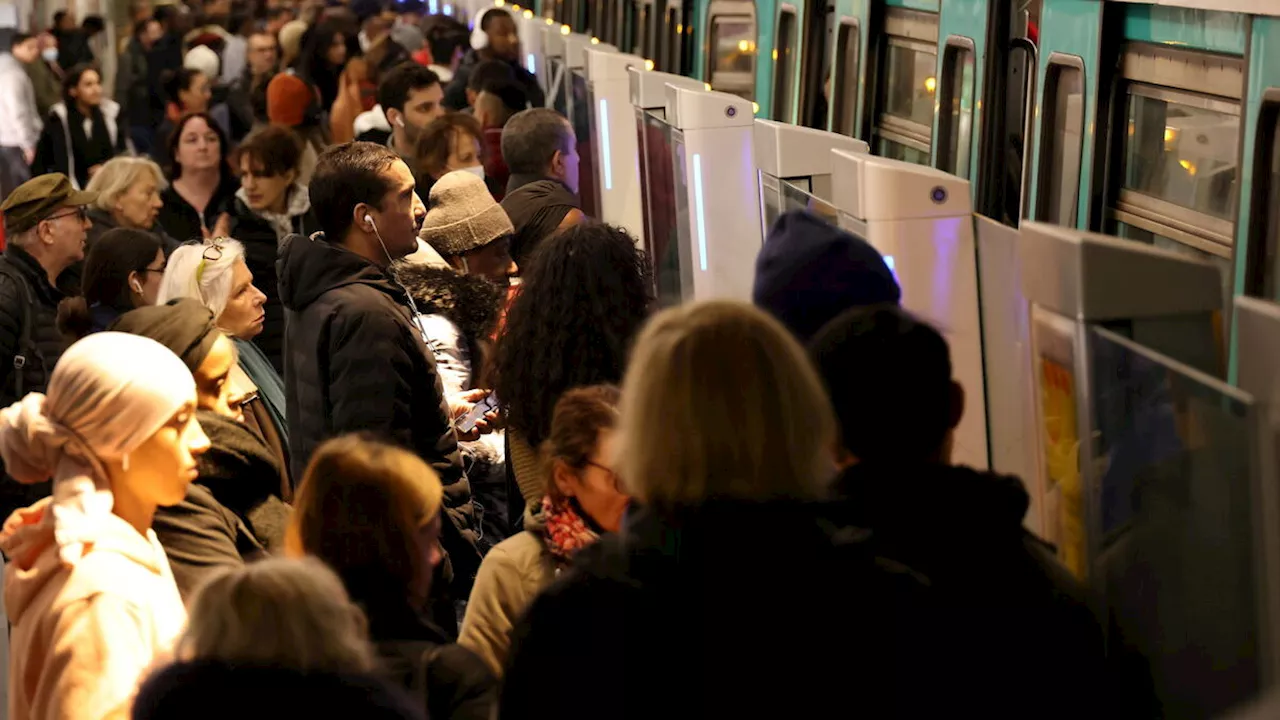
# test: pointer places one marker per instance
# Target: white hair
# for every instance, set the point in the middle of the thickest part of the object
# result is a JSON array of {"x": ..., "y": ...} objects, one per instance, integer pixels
[
  {"x": 118, "y": 175},
  {"x": 213, "y": 287}
]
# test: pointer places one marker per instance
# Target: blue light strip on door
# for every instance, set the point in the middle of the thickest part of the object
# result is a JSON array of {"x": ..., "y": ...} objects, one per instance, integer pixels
[
  {"x": 529, "y": 62},
  {"x": 698, "y": 208},
  {"x": 606, "y": 153}
]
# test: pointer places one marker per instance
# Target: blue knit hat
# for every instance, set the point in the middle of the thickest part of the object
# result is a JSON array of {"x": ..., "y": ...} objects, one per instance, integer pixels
[{"x": 810, "y": 271}]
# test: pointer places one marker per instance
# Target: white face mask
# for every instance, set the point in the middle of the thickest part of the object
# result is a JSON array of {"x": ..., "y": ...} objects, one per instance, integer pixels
[
  {"x": 50, "y": 54},
  {"x": 477, "y": 170}
]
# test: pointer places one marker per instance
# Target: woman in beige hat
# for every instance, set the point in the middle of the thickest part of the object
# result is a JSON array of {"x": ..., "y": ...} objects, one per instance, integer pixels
[{"x": 460, "y": 296}]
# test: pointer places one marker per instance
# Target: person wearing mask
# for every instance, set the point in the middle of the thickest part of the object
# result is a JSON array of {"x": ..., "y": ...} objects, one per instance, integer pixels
[
  {"x": 373, "y": 513},
  {"x": 122, "y": 271},
  {"x": 495, "y": 105},
  {"x": 247, "y": 98},
  {"x": 451, "y": 142},
  {"x": 281, "y": 632},
  {"x": 82, "y": 132},
  {"x": 45, "y": 224},
  {"x": 724, "y": 440},
  {"x": 128, "y": 191},
  {"x": 1024, "y": 612},
  {"x": 132, "y": 89},
  {"x": 345, "y": 314},
  {"x": 270, "y": 206},
  {"x": 46, "y": 74},
  {"x": 215, "y": 273},
  {"x": 322, "y": 60},
  {"x": 494, "y": 38},
  {"x": 291, "y": 103},
  {"x": 582, "y": 500},
  {"x": 233, "y": 513},
  {"x": 410, "y": 99},
  {"x": 198, "y": 201},
  {"x": 584, "y": 298},
  {"x": 447, "y": 39},
  {"x": 541, "y": 151},
  {"x": 88, "y": 591},
  {"x": 20, "y": 124}
]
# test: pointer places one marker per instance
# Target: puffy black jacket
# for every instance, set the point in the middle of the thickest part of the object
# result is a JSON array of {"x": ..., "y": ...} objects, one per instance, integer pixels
[
  {"x": 260, "y": 254},
  {"x": 355, "y": 362},
  {"x": 32, "y": 298}
]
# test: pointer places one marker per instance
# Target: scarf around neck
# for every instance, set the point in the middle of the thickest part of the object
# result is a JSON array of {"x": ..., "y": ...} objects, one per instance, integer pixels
[{"x": 566, "y": 531}]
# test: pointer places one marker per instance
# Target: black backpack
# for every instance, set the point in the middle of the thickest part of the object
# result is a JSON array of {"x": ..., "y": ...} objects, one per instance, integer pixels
[{"x": 27, "y": 348}]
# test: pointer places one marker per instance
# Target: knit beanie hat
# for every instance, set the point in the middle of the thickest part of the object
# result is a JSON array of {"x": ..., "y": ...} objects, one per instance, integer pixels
[
  {"x": 291, "y": 37},
  {"x": 288, "y": 97},
  {"x": 203, "y": 59},
  {"x": 462, "y": 215},
  {"x": 810, "y": 271}
]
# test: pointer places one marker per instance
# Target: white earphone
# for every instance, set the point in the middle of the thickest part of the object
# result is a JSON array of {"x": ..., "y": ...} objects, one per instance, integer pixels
[
  {"x": 369, "y": 219},
  {"x": 479, "y": 38},
  {"x": 400, "y": 121},
  {"x": 137, "y": 286}
]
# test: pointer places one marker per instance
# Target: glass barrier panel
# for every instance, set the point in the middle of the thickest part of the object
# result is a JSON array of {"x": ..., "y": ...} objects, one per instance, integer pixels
[
  {"x": 588, "y": 191},
  {"x": 1174, "y": 534},
  {"x": 796, "y": 197},
  {"x": 661, "y": 201},
  {"x": 683, "y": 237}
]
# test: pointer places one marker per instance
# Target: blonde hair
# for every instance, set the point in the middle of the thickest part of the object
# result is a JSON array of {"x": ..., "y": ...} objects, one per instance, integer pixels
[
  {"x": 720, "y": 401},
  {"x": 189, "y": 274},
  {"x": 359, "y": 508},
  {"x": 119, "y": 174},
  {"x": 280, "y": 613}
]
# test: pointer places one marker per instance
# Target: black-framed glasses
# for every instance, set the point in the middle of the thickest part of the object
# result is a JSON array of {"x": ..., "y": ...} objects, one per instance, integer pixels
[
  {"x": 81, "y": 211},
  {"x": 613, "y": 474},
  {"x": 212, "y": 253}
]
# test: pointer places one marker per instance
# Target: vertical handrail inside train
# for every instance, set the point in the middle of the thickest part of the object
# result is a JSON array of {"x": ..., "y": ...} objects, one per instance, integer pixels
[{"x": 1028, "y": 118}]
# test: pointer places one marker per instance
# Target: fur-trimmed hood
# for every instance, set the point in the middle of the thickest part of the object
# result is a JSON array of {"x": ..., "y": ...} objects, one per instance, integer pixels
[{"x": 471, "y": 303}]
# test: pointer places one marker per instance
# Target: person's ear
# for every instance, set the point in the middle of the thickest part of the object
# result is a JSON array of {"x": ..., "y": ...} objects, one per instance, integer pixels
[
  {"x": 564, "y": 478},
  {"x": 557, "y": 165},
  {"x": 361, "y": 217},
  {"x": 134, "y": 283},
  {"x": 291, "y": 175},
  {"x": 393, "y": 117}
]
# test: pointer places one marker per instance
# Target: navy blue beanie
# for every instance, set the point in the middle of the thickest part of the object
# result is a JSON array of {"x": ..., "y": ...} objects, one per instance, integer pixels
[{"x": 810, "y": 271}]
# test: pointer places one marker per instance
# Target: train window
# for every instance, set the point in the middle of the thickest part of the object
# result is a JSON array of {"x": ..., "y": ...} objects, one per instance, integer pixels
[
  {"x": 733, "y": 54},
  {"x": 905, "y": 127},
  {"x": 784, "y": 62},
  {"x": 844, "y": 83},
  {"x": 955, "y": 117},
  {"x": 1061, "y": 140}
]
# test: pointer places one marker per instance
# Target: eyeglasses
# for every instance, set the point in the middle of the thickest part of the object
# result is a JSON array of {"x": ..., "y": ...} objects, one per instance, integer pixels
[
  {"x": 82, "y": 212},
  {"x": 613, "y": 475},
  {"x": 212, "y": 253}
]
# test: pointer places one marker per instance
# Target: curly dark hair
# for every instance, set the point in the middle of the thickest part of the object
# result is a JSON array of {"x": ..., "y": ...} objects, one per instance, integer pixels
[
  {"x": 472, "y": 303},
  {"x": 586, "y": 294}
]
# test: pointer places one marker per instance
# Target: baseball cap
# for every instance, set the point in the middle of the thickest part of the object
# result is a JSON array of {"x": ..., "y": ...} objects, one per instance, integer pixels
[{"x": 36, "y": 199}]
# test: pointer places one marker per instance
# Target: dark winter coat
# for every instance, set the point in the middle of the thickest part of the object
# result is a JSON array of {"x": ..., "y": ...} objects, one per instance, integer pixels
[
  {"x": 211, "y": 689},
  {"x": 261, "y": 249},
  {"x": 133, "y": 93},
  {"x": 42, "y": 299},
  {"x": 458, "y": 685},
  {"x": 54, "y": 152},
  {"x": 181, "y": 220},
  {"x": 455, "y": 95},
  {"x": 356, "y": 362},
  {"x": 1016, "y": 611},
  {"x": 729, "y": 610}
]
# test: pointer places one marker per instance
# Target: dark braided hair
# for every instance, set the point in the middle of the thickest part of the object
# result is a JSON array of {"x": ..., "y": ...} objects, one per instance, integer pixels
[{"x": 586, "y": 293}]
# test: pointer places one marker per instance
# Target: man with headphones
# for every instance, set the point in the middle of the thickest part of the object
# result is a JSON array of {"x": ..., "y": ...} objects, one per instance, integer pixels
[
  {"x": 354, "y": 360},
  {"x": 494, "y": 37}
]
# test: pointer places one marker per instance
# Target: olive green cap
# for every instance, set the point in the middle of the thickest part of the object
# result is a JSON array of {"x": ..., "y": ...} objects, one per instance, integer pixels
[{"x": 38, "y": 198}]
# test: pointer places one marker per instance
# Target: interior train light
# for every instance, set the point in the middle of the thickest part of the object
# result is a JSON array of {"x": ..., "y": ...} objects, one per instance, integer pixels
[
  {"x": 930, "y": 84},
  {"x": 743, "y": 45},
  {"x": 648, "y": 64},
  {"x": 499, "y": 3},
  {"x": 775, "y": 54},
  {"x": 564, "y": 30},
  {"x": 755, "y": 108},
  {"x": 595, "y": 41},
  {"x": 550, "y": 21},
  {"x": 707, "y": 85},
  {"x": 1170, "y": 134},
  {"x": 528, "y": 14},
  {"x": 515, "y": 7}
]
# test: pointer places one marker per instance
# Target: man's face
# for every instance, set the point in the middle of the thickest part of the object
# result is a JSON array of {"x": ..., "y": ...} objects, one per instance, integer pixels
[
  {"x": 64, "y": 231},
  {"x": 262, "y": 53},
  {"x": 423, "y": 106},
  {"x": 400, "y": 214},
  {"x": 503, "y": 40}
]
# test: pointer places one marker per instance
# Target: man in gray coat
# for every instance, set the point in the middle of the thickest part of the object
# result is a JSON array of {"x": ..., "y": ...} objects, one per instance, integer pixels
[{"x": 19, "y": 119}]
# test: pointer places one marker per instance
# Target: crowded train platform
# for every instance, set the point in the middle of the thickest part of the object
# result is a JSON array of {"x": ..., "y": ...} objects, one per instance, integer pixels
[{"x": 421, "y": 360}]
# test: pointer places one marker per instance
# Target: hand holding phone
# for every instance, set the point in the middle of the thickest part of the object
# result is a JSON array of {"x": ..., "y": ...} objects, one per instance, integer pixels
[{"x": 467, "y": 423}]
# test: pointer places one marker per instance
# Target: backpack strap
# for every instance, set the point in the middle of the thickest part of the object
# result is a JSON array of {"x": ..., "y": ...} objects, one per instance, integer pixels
[{"x": 27, "y": 349}]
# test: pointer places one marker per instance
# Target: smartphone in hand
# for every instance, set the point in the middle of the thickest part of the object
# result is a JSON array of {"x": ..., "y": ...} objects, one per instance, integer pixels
[{"x": 467, "y": 423}]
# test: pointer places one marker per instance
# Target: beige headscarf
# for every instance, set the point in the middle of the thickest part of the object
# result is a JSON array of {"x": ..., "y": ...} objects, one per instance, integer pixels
[{"x": 109, "y": 393}]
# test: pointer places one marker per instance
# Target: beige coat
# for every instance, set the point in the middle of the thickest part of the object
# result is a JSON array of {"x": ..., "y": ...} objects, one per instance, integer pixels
[{"x": 510, "y": 577}]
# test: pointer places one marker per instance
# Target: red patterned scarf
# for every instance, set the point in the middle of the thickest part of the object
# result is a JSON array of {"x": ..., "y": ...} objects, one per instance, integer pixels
[{"x": 565, "y": 531}]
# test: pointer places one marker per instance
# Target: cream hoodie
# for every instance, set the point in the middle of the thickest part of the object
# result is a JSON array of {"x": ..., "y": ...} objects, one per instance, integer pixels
[{"x": 83, "y": 634}]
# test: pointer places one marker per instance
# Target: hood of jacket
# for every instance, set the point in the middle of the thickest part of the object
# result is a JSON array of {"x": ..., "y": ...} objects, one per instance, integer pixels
[
  {"x": 472, "y": 303},
  {"x": 312, "y": 266},
  {"x": 932, "y": 503},
  {"x": 33, "y": 561}
]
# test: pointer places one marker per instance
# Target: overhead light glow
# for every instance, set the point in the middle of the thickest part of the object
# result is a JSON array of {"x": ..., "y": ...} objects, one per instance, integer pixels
[
  {"x": 930, "y": 84},
  {"x": 595, "y": 41},
  {"x": 755, "y": 108},
  {"x": 528, "y": 14},
  {"x": 564, "y": 30},
  {"x": 648, "y": 64}
]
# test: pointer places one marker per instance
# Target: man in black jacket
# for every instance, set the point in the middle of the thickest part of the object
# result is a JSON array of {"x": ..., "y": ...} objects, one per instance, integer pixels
[
  {"x": 498, "y": 40},
  {"x": 355, "y": 360},
  {"x": 46, "y": 225}
]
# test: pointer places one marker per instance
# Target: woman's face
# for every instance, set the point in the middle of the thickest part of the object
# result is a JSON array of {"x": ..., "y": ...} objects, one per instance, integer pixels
[
  {"x": 140, "y": 204},
  {"x": 149, "y": 280},
  {"x": 492, "y": 262},
  {"x": 265, "y": 192},
  {"x": 243, "y": 316},
  {"x": 198, "y": 147},
  {"x": 213, "y": 390},
  {"x": 89, "y": 90},
  {"x": 196, "y": 97},
  {"x": 161, "y": 468},
  {"x": 336, "y": 53},
  {"x": 596, "y": 486},
  {"x": 464, "y": 152}
]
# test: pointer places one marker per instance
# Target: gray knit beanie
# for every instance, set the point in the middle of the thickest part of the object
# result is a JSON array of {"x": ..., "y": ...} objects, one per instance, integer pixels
[{"x": 462, "y": 215}]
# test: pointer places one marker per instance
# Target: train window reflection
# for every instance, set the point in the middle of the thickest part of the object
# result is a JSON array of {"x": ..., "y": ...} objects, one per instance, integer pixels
[
  {"x": 844, "y": 85},
  {"x": 733, "y": 42},
  {"x": 784, "y": 61},
  {"x": 1062, "y": 140},
  {"x": 910, "y": 83}
]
